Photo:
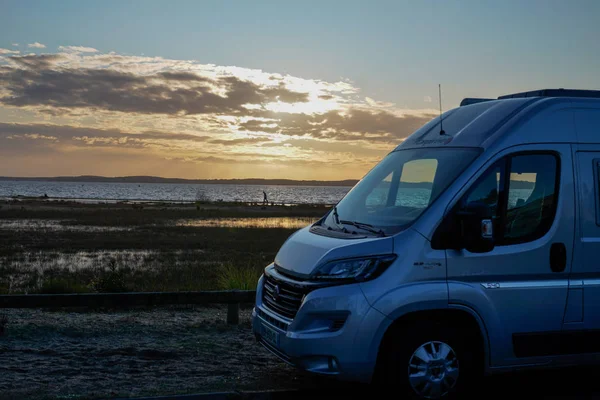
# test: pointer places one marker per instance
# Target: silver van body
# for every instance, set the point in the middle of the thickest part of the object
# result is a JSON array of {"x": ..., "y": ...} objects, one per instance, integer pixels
[{"x": 488, "y": 234}]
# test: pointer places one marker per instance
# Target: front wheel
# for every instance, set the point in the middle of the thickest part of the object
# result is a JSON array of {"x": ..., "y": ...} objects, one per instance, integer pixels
[{"x": 426, "y": 361}]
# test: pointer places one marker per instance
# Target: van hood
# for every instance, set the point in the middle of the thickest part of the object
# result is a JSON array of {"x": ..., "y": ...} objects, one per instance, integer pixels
[{"x": 304, "y": 250}]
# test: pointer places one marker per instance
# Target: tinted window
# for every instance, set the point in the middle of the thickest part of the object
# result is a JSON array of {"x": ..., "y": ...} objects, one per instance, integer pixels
[
  {"x": 531, "y": 197},
  {"x": 487, "y": 189},
  {"x": 525, "y": 206}
]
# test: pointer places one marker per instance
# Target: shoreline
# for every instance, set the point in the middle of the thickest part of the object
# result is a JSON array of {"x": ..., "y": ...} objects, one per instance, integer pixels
[
  {"x": 107, "y": 201},
  {"x": 159, "y": 180}
]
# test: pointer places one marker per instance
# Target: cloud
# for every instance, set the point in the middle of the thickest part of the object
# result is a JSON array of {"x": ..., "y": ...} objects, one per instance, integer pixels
[
  {"x": 7, "y": 51},
  {"x": 43, "y": 140},
  {"x": 36, "y": 45},
  {"x": 15, "y": 44},
  {"x": 191, "y": 113},
  {"x": 38, "y": 83},
  {"x": 427, "y": 99},
  {"x": 256, "y": 159},
  {"x": 249, "y": 140},
  {"x": 33, "y": 62},
  {"x": 67, "y": 132},
  {"x": 378, "y": 104},
  {"x": 352, "y": 124},
  {"x": 77, "y": 49}
]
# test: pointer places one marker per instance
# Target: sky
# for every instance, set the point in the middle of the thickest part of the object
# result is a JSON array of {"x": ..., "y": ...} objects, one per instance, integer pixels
[{"x": 263, "y": 89}]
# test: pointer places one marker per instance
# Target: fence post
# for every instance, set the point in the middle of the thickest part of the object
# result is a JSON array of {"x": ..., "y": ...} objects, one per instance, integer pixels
[{"x": 233, "y": 313}]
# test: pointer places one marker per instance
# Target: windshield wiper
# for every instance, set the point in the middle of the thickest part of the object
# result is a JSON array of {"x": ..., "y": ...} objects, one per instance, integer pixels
[{"x": 364, "y": 226}]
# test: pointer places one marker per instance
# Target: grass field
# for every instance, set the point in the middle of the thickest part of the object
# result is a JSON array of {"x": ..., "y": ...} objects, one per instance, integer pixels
[{"x": 67, "y": 247}]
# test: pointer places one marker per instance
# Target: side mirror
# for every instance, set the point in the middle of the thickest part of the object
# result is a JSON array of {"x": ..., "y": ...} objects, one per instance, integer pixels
[{"x": 477, "y": 227}]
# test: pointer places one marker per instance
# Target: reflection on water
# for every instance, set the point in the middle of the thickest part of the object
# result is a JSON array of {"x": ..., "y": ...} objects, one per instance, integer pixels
[
  {"x": 272, "y": 222},
  {"x": 54, "y": 225},
  {"x": 65, "y": 225}
]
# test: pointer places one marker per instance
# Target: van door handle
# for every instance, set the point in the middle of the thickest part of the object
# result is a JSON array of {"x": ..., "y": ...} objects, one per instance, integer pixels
[{"x": 558, "y": 257}]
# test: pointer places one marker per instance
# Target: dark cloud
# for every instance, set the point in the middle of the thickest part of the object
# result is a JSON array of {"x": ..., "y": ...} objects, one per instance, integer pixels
[
  {"x": 281, "y": 93},
  {"x": 66, "y": 133},
  {"x": 36, "y": 61},
  {"x": 183, "y": 77},
  {"x": 355, "y": 124},
  {"x": 38, "y": 84}
]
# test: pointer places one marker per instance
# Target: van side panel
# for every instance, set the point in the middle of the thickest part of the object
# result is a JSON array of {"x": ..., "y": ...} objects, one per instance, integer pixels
[
  {"x": 417, "y": 279},
  {"x": 520, "y": 298},
  {"x": 586, "y": 268}
]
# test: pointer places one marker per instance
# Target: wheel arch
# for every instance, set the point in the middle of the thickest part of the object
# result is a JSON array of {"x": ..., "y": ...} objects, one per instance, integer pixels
[{"x": 454, "y": 315}]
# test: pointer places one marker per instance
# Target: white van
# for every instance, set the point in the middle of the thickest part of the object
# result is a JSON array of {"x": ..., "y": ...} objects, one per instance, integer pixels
[{"x": 472, "y": 248}]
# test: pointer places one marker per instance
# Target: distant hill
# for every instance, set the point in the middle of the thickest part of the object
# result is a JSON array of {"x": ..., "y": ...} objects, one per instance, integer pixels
[
  {"x": 156, "y": 179},
  {"x": 515, "y": 184}
]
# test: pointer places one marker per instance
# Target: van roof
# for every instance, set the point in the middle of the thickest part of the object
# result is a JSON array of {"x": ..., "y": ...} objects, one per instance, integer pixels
[
  {"x": 478, "y": 121},
  {"x": 538, "y": 93}
]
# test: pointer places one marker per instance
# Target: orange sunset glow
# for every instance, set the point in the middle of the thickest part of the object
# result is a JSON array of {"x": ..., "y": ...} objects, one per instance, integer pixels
[{"x": 81, "y": 112}]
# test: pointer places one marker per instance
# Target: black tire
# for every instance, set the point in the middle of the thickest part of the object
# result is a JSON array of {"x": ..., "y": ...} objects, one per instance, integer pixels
[{"x": 393, "y": 364}]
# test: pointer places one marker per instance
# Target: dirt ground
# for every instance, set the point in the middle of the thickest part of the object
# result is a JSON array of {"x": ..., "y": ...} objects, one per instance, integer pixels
[{"x": 164, "y": 351}]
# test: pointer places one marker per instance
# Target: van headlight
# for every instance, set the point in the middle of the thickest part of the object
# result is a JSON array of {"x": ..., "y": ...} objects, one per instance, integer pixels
[{"x": 355, "y": 269}]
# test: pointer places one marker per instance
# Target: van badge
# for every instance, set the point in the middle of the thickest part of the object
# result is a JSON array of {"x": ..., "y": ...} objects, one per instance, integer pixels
[
  {"x": 427, "y": 265},
  {"x": 491, "y": 285}
]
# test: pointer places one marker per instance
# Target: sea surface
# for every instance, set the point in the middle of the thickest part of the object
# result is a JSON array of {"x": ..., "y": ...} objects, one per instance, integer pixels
[{"x": 177, "y": 192}]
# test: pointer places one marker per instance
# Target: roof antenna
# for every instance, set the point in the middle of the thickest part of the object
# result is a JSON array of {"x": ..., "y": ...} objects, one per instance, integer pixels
[{"x": 441, "y": 119}]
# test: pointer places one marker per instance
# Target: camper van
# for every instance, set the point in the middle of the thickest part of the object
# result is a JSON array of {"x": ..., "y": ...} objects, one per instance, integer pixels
[{"x": 472, "y": 248}]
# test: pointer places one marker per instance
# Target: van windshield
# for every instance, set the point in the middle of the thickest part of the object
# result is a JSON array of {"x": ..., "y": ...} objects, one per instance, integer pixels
[{"x": 398, "y": 189}]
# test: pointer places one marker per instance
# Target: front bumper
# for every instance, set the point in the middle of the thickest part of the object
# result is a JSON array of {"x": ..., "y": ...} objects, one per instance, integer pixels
[{"x": 335, "y": 332}]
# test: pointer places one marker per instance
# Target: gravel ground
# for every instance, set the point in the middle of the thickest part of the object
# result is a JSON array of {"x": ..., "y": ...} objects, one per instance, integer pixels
[
  {"x": 179, "y": 350},
  {"x": 59, "y": 354}
]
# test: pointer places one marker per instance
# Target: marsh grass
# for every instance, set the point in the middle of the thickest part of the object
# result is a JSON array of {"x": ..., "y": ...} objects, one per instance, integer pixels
[
  {"x": 238, "y": 277},
  {"x": 122, "y": 271},
  {"x": 150, "y": 251}
]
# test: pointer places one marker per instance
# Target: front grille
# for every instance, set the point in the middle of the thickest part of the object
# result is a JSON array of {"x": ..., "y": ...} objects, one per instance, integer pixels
[
  {"x": 281, "y": 297},
  {"x": 278, "y": 353},
  {"x": 273, "y": 321}
]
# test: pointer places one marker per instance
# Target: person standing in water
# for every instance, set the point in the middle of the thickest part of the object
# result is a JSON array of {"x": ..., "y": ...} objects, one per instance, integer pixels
[{"x": 265, "y": 201}]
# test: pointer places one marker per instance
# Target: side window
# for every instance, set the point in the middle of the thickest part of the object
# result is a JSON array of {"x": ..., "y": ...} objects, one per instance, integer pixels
[
  {"x": 487, "y": 189},
  {"x": 524, "y": 205},
  {"x": 532, "y": 195}
]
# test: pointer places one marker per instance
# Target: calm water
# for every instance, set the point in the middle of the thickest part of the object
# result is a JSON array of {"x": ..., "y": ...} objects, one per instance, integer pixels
[
  {"x": 173, "y": 192},
  {"x": 270, "y": 222},
  {"x": 190, "y": 192}
]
